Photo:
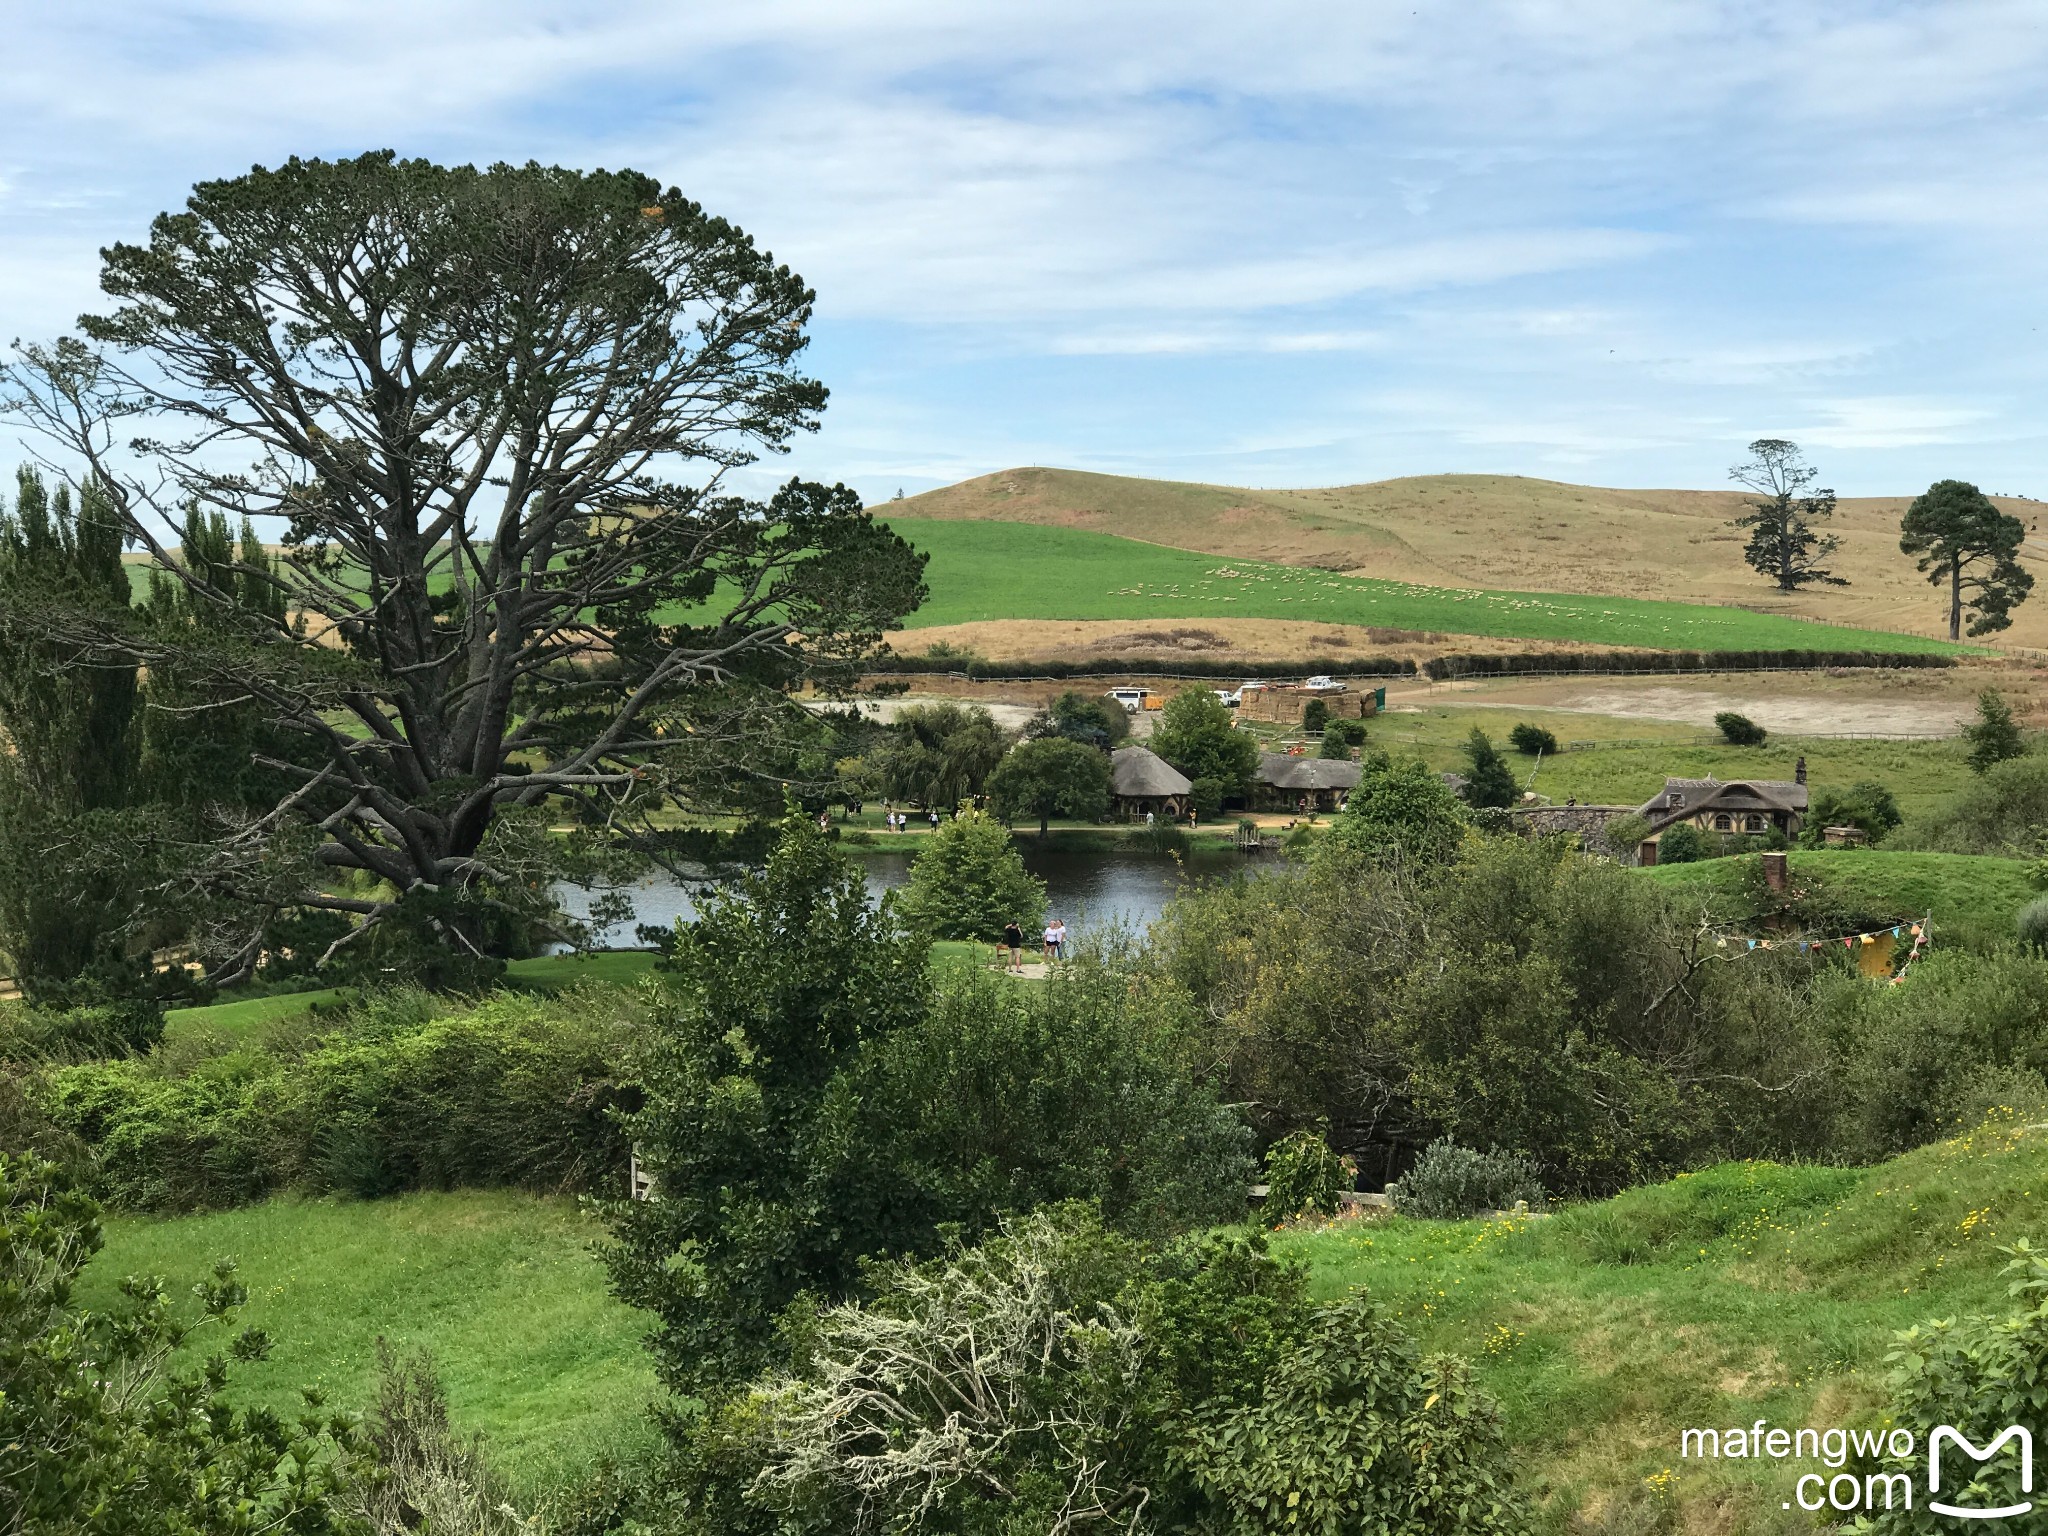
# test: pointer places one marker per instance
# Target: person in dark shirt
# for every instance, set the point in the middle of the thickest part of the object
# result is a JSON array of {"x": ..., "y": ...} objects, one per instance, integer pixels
[{"x": 1013, "y": 941}]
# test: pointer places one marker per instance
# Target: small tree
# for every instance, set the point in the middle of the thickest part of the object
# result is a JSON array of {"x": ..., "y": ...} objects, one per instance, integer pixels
[
  {"x": 1315, "y": 715},
  {"x": 1053, "y": 776},
  {"x": 1967, "y": 545},
  {"x": 1401, "y": 808},
  {"x": 969, "y": 881},
  {"x": 1336, "y": 745},
  {"x": 1206, "y": 796},
  {"x": 1868, "y": 806},
  {"x": 1782, "y": 543},
  {"x": 1095, "y": 719},
  {"x": 1532, "y": 740},
  {"x": 1739, "y": 730},
  {"x": 1488, "y": 780},
  {"x": 1197, "y": 735},
  {"x": 1996, "y": 735}
]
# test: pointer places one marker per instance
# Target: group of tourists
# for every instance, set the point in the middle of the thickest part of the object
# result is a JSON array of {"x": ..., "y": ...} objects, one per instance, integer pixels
[{"x": 1055, "y": 938}]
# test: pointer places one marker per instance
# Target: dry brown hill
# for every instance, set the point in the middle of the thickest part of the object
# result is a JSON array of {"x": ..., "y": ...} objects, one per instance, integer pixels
[{"x": 1501, "y": 531}]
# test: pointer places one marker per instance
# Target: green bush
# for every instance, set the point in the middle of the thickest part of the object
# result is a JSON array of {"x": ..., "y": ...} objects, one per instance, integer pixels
[
  {"x": 1315, "y": 715},
  {"x": 1206, "y": 796},
  {"x": 513, "y": 1091},
  {"x": 1995, "y": 736},
  {"x": 1681, "y": 843},
  {"x": 1400, "y": 809},
  {"x": 1977, "y": 1375},
  {"x": 1058, "y": 1368},
  {"x": 2032, "y": 925},
  {"x": 1351, "y": 732},
  {"x": 969, "y": 880},
  {"x": 1739, "y": 730},
  {"x": 1532, "y": 739},
  {"x": 1449, "y": 1181},
  {"x": 1304, "y": 1175}
]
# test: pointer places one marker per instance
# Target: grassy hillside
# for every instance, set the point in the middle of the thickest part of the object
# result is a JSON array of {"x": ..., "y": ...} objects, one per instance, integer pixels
[
  {"x": 1498, "y": 531},
  {"x": 501, "y": 1287},
  {"x": 1743, "y": 1292},
  {"x": 999, "y": 570},
  {"x": 1973, "y": 900}
]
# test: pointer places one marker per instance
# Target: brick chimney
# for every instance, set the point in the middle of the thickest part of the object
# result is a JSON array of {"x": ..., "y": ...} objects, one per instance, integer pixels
[
  {"x": 1775, "y": 874},
  {"x": 1799, "y": 771}
]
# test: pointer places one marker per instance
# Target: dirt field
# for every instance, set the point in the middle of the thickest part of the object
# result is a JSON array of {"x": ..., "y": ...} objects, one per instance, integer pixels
[
  {"x": 1901, "y": 704},
  {"x": 1502, "y": 531}
]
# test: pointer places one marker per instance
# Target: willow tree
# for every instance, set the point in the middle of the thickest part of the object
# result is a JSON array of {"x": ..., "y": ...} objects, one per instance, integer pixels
[{"x": 494, "y": 412}]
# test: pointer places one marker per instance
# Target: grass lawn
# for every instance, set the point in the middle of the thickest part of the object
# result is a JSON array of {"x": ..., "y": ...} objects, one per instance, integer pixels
[
  {"x": 1739, "y": 1292},
  {"x": 1972, "y": 899},
  {"x": 501, "y": 1287},
  {"x": 993, "y": 570},
  {"x": 249, "y": 1015},
  {"x": 1742, "y": 1292},
  {"x": 550, "y": 972},
  {"x": 1921, "y": 774}
]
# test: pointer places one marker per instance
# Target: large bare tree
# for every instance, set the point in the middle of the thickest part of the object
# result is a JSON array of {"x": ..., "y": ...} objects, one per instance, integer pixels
[{"x": 494, "y": 410}]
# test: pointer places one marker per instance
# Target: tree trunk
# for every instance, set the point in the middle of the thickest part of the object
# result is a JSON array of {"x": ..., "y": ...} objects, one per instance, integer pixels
[
  {"x": 1955, "y": 599},
  {"x": 1785, "y": 583},
  {"x": 1044, "y": 825}
]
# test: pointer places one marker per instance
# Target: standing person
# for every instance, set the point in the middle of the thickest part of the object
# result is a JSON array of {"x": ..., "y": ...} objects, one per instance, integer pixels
[
  {"x": 1013, "y": 941},
  {"x": 1055, "y": 940},
  {"x": 933, "y": 814}
]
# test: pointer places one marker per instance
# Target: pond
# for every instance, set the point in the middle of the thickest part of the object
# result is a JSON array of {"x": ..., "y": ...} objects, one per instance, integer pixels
[{"x": 1128, "y": 888}]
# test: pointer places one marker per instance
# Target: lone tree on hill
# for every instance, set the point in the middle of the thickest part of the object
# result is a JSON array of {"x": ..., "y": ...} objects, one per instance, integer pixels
[
  {"x": 1782, "y": 543},
  {"x": 493, "y": 410},
  {"x": 1968, "y": 545}
]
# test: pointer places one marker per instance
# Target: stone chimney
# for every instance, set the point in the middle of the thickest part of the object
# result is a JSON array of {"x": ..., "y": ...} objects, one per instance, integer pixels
[
  {"x": 1799, "y": 771},
  {"x": 1775, "y": 875}
]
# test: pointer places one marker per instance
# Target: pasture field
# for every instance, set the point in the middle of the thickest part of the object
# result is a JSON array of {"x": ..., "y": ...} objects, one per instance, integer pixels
[
  {"x": 993, "y": 570},
  {"x": 1501, "y": 531},
  {"x": 501, "y": 1287},
  {"x": 1743, "y": 1291},
  {"x": 1625, "y": 762}
]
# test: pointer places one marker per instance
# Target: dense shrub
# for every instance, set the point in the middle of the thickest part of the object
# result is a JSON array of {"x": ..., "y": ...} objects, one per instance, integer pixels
[
  {"x": 2032, "y": 925},
  {"x": 1977, "y": 1375},
  {"x": 1532, "y": 739},
  {"x": 512, "y": 1091},
  {"x": 1304, "y": 1175},
  {"x": 1517, "y": 994},
  {"x": 29, "y": 1034},
  {"x": 963, "y": 663},
  {"x": 1315, "y": 716},
  {"x": 1994, "y": 736},
  {"x": 1489, "y": 782},
  {"x": 813, "y": 1103},
  {"x": 1739, "y": 730},
  {"x": 1449, "y": 1181},
  {"x": 1059, "y": 1378},
  {"x": 1681, "y": 843}
]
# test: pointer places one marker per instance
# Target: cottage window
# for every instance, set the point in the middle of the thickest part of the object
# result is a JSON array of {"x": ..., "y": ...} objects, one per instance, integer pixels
[
  {"x": 1724, "y": 822},
  {"x": 1677, "y": 798},
  {"x": 1758, "y": 824}
]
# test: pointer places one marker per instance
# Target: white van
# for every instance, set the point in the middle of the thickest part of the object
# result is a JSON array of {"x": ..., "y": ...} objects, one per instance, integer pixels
[{"x": 1132, "y": 699}]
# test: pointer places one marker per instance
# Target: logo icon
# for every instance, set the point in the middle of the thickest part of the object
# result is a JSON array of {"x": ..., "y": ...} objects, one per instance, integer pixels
[{"x": 1947, "y": 1432}]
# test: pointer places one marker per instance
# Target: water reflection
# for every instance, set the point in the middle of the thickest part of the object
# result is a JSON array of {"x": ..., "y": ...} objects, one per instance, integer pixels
[{"x": 1089, "y": 890}]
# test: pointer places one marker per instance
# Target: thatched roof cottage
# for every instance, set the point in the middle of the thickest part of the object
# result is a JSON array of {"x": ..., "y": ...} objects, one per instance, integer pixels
[{"x": 1142, "y": 781}]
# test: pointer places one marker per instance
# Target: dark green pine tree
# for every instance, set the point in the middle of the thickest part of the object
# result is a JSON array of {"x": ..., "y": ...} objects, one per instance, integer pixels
[
  {"x": 1488, "y": 779},
  {"x": 67, "y": 708}
]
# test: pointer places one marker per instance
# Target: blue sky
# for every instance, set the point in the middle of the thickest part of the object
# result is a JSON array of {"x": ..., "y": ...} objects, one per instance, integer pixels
[{"x": 1597, "y": 240}]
